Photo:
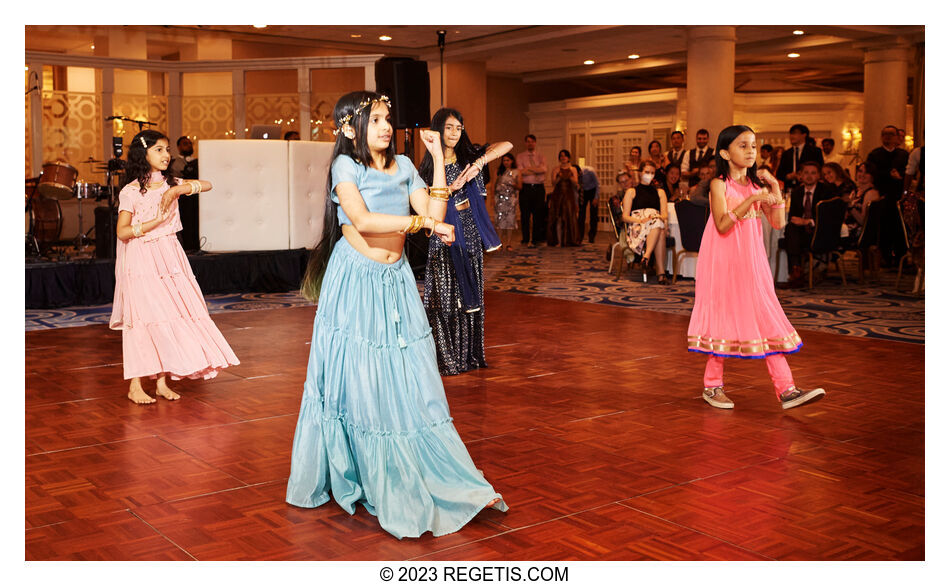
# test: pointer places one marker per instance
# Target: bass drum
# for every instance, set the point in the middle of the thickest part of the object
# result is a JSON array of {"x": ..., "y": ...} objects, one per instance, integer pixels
[{"x": 46, "y": 220}]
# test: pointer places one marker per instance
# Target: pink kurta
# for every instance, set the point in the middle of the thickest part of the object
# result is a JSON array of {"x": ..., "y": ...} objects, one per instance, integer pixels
[
  {"x": 736, "y": 312},
  {"x": 157, "y": 304}
]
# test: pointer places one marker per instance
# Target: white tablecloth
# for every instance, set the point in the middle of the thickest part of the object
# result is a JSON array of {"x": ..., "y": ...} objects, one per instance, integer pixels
[{"x": 687, "y": 266}]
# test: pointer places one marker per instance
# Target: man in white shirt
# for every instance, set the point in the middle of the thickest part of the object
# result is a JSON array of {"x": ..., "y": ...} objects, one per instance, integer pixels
[{"x": 531, "y": 201}]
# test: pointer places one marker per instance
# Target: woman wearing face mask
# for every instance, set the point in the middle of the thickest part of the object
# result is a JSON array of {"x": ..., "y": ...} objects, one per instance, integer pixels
[{"x": 644, "y": 211}]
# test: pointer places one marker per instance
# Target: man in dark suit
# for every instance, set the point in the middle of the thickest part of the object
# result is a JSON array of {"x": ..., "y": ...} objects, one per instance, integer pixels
[
  {"x": 795, "y": 156},
  {"x": 888, "y": 164},
  {"x": 801, "y": 221},
  {"x": 675, "y": 154}
]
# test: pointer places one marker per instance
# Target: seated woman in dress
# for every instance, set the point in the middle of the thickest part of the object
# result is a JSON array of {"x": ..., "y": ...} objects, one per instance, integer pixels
[
  {"x": 834, "y": 175},
  {"x": 858, "y": 201},
  {"x": 644, "y": 211},
  {"x": 671, "y": 185}
]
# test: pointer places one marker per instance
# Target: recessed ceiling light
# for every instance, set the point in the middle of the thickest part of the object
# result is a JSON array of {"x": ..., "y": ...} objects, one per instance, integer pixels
[
  {"x": 798, "y": 32},
  {"x": 634, "y": 56},
  {"x": 385, "y": 38},
  {"x": 589, "y": 62},
  {"x": 260, "y": 26},
  {"x": 794, "y": 55},
  {"x": 92, "y": 46},
  {"x": 355, "y": 36}
]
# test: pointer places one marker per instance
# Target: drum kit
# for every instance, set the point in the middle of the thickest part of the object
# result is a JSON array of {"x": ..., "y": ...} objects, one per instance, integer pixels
[{"x": 58, "y": 181}]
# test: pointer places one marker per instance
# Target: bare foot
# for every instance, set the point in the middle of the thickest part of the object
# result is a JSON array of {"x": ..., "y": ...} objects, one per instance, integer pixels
[
  {"x": 492, "y": 503},
  {"x": 161, "y": 389},
  {"x": 137, "y": 394}
]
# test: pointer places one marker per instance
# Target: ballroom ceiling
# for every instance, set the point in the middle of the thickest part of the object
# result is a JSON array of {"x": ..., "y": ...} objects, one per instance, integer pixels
[{"x": 550, "y": 58}]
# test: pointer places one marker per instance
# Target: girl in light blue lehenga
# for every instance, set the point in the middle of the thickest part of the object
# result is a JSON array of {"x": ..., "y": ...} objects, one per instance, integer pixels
[{"x": 374, "y": 425}]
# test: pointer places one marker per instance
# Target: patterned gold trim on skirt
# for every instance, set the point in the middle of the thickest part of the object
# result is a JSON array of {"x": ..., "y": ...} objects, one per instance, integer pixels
[{"x": 761, "y": 347}]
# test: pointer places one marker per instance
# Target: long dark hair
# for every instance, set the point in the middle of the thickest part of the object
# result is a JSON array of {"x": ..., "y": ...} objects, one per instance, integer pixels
[
  {"x": 465, "y": 151},
  {"x": 138, "y": 168},
  {"x": 358, "y": 150},
  {"x": 501, "y": 164},
  {"x": 726, "y": 137}
]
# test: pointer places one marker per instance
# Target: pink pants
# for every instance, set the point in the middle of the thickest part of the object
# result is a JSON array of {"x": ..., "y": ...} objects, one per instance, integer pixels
[{"x": 778, "y": 369}]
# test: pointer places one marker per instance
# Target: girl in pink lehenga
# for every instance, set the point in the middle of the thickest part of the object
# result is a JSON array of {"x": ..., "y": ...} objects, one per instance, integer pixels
[
  {"x": 736, "y": 312},
  {"x": 158, "y": 306}
]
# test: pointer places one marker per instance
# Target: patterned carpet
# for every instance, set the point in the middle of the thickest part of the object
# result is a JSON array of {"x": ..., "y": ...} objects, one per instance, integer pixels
[{"x": 873, "y": 310}]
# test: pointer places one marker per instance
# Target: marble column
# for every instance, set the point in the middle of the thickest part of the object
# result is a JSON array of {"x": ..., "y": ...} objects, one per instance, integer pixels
[
  {"x": 710, "y": 80},
  {"x": 885, "y": 91}
]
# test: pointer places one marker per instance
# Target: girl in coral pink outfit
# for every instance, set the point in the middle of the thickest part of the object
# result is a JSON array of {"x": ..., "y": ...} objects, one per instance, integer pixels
[
  {"x": 736, "y": 312},
  {"x": 158, "y": 306}
]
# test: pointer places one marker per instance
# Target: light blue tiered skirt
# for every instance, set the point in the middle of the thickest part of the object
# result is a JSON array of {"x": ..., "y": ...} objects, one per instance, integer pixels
[{"x": 374, "y": 425}]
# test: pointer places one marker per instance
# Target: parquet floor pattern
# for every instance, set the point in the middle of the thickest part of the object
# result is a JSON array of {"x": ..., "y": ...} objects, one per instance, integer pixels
[{"x": 589, "y": 421}]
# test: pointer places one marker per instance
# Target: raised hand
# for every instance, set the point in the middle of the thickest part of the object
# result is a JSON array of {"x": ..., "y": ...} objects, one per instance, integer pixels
[
  {"x": 468, "y": 173},
  {"x": 432, "y": 140},
  {"x": 170, "y": 195},
  {"x": 766, "y": 176}
]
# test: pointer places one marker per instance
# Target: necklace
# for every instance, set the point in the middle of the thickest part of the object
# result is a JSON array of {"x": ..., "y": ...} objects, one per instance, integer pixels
[{"x": 450, "y": 160}]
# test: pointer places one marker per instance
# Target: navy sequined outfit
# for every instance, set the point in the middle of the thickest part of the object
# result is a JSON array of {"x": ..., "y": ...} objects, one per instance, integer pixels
[{"x": 454, "y": 295}]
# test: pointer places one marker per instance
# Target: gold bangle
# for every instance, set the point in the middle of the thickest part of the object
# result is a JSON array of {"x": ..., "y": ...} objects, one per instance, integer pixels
[
  {"x": 429, "y": 229},
  {"x": 137, "y": 230},
  {"x": 195, "y": 187},
  {"x": 440, "y": 193}
]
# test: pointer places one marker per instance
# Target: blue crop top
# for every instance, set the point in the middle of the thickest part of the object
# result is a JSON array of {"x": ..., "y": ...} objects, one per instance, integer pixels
[{"x": 382, "y": 193}]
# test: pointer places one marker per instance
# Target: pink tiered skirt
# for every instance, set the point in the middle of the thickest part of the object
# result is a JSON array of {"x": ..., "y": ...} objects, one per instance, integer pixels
[{"x": 162, "y": 314}]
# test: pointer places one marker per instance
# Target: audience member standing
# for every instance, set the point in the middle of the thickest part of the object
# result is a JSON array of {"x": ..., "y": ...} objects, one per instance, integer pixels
[
  {"x": 915, "y": 170},
  {"x": 795, "y": 156},
  {"x": 888, "y": 163},
  {"x": 531, "y": 199},
  {"x": 562, "y": 208},
  {"x": 675, "y": 155},
  {"x": 186, "y": 166},
  {"x": 590, "y": 197},
  {"x": 697, "y": 157},
  {"x": 801, "y": 221}
]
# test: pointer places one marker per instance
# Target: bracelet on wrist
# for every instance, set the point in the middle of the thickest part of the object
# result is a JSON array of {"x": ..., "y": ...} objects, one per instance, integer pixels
[{"x": 137, "y": 230}]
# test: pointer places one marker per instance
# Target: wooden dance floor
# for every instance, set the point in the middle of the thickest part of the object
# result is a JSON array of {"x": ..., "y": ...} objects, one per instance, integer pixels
[{"x": 589, "y": 421}]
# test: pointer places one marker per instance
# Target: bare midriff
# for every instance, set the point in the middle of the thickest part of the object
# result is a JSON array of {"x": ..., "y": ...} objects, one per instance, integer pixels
[{"x": 384, "y": 248}]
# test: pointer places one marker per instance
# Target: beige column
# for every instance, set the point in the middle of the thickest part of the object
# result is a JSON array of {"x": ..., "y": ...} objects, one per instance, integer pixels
[
  {"x": 36, "y": 117},
  {"x": 710, "y": 80},
  {"x": 885, "y": 92},
  {"x": 465, "y": 90},
  {"x": 303, "y": 89},
  {"x": 174, "y": 106},
  {"x": 240, "y": 103}
]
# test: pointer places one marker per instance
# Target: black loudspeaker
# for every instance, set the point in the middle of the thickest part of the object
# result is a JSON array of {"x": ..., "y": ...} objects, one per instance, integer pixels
[
  {"x": 406, "y": 82},
  {"x": 106, "y": 221}
]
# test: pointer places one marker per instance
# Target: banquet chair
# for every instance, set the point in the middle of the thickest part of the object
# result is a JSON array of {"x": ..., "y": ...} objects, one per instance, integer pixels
[
  {"x": 913, "y": 242},
  {"x": 826, "y": 240},
  {"x": 692, "y": 221},
  {"x": 870, "y": 239}
]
